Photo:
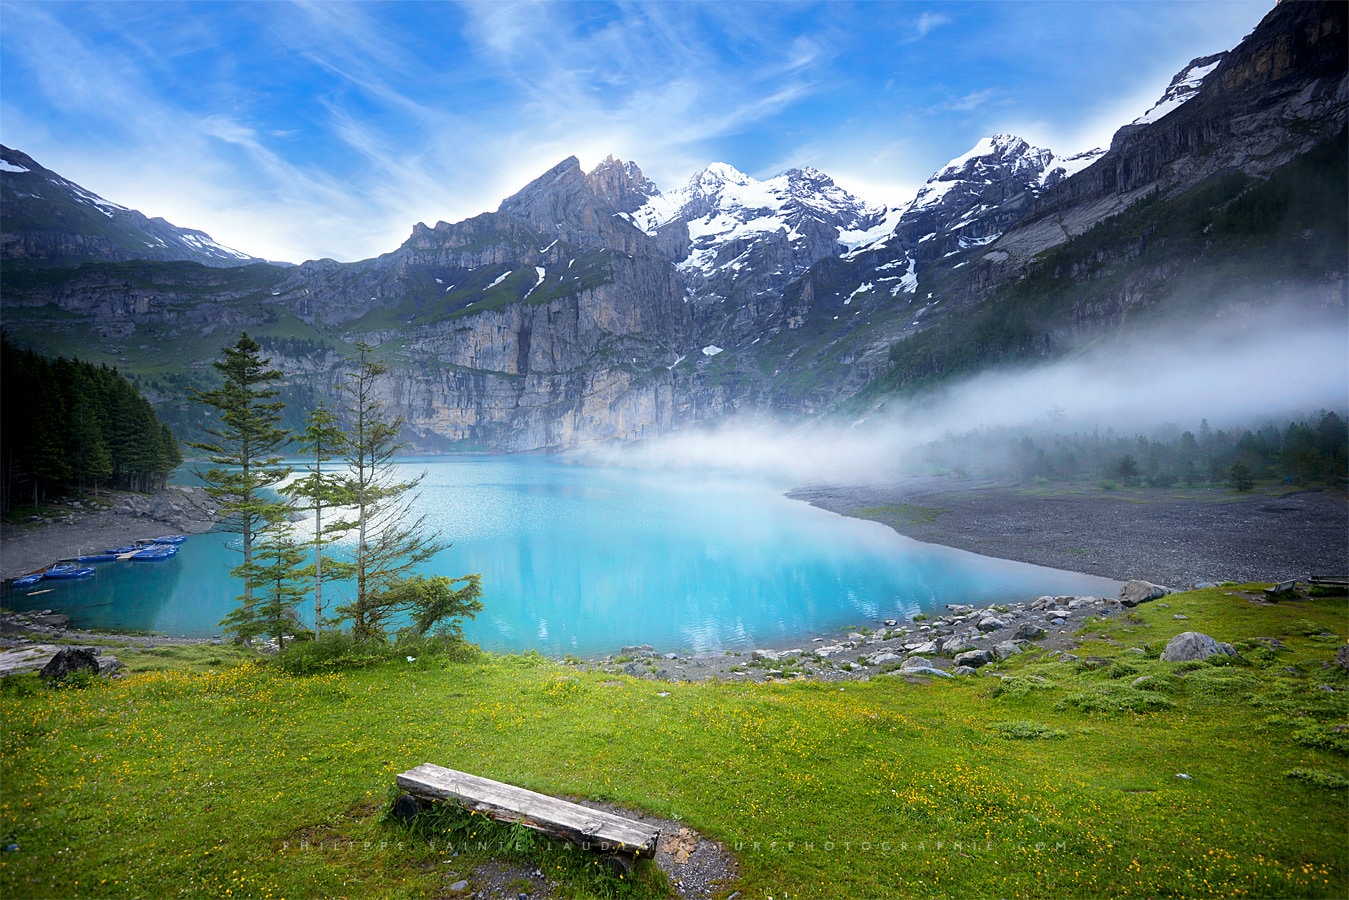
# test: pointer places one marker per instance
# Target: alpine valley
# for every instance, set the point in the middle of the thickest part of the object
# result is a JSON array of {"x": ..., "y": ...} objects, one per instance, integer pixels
[{"x": 593, "y": 307}]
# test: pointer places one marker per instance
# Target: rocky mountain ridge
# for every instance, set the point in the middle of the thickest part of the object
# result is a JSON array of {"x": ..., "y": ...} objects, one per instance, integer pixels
[
  {"x": 51, "y": 220},
  {"x": 592, "y": 307}
]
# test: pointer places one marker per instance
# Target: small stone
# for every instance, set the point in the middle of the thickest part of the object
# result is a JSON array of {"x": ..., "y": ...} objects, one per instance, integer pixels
[
  {"x": 927, "y": 670},
  {"x": 459, "y": 887},
  {"x": 1180, "y": 616},
  {"x": 973, "y": 658},
  {"x": 1183, "y": 776}
]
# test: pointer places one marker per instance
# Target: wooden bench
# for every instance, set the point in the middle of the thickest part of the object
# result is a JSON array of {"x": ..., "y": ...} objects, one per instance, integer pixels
[
  {"x": 591, "y": 828},
  {"x": 1282, "y": 587}
]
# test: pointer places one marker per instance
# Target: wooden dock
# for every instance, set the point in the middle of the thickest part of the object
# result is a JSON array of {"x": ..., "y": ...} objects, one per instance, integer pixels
[{"x": 591, "y": 828}]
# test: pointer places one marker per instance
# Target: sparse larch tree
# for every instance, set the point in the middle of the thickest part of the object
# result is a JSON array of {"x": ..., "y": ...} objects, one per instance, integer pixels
[
  {"x": 323, "y": 489},
  {"x": 392, "y": 539}
]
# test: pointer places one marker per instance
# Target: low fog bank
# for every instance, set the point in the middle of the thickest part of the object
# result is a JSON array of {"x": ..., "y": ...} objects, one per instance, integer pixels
[{"x": 1265, "y": 370}]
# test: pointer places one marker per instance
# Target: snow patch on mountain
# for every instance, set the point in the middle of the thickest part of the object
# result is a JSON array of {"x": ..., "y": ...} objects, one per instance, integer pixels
[
  {"x": 722, "y": 206},
  {"x": 1184, "y": 86}
]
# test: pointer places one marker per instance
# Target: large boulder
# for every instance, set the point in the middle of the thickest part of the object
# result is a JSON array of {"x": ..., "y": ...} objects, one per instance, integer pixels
[
  {"x": 1190, "y": 645},
  {"x": 68, "y": 661},
  {"x": 1136, "y": 592},
  {"x": 1028, "y": 631}
]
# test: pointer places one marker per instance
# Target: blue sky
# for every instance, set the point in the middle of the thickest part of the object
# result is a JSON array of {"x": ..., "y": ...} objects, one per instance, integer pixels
[{"x": 309, "y": 129}]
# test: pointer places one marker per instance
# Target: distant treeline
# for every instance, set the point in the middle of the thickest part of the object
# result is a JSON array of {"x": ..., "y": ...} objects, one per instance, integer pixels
[
  {"x": 1315, "y": 450},
  {"x": 69, "y": 425}
]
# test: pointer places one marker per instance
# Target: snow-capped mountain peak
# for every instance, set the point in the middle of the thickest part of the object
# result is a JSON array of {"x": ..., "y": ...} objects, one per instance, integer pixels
[
  {"x": 721, "y": 206},
  {"x": 1184, "y": 86}
]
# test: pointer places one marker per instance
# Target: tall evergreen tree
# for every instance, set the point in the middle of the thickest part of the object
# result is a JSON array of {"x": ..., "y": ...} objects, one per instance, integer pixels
[
  {"x": 323, "y": 489},
  {"x": 246, "y": 457},
  {"x": 278, "y": 563},
  {"x": 392, "y": 539}
]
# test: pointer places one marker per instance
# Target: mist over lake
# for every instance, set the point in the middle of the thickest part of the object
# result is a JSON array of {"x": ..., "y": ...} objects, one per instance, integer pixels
[{"x": 584, "y": 559}]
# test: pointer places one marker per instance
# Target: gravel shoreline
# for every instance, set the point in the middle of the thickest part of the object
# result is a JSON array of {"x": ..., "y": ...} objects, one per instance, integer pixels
[{"x": 1168, "y": 536}]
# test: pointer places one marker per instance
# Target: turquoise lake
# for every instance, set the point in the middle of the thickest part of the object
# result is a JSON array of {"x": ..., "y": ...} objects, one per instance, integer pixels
[{"x": 584, "y": 560}]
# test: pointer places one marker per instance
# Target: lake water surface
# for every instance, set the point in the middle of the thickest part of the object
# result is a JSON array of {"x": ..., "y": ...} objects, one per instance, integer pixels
[{"x": 584, "y": 560}]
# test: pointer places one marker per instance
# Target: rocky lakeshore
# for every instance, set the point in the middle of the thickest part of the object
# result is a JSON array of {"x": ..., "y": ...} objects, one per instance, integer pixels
[
  {"x": 88, "y": 526},
  {"x": 956, "y": 643}
]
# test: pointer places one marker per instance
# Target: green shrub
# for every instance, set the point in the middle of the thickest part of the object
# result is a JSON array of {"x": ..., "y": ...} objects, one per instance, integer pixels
[
  {"x": 1221, "y": 683},
  {"x": 1028, "y": 731},
  {"x": 1116, "y": 698},
  {"x": 1323, "y": 739},
  {"x": 1326, "y": 781},
  {"x": 336, "y": 650}
]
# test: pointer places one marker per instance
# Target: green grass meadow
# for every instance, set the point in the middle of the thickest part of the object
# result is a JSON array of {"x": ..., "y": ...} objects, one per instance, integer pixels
[{"x": 199, "y": 776}]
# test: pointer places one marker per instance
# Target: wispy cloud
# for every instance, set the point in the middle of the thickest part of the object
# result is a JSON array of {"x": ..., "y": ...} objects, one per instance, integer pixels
[{"x": 927, "y": 22}]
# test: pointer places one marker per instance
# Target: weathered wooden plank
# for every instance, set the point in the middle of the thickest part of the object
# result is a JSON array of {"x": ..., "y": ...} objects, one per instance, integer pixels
[{"x": 593, "y": 828}]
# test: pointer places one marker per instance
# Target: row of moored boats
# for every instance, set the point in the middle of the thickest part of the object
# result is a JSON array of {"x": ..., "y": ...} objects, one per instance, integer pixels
[{"x": 154, "y": 550}]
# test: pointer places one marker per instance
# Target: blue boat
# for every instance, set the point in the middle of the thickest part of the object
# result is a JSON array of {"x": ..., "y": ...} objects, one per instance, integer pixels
[
  {"x": 129, "y": 548},
  {"x": 155, "y": 553},
  {"x": 67, "y": 570},
  {"x": 108, "y": 556},
  {"x": 169, "y": 539},
  {"x": 27, "y": 580}
]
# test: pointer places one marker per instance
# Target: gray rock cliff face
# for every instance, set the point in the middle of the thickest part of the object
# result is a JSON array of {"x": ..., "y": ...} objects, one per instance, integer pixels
[{"x": 548, "y": 324}]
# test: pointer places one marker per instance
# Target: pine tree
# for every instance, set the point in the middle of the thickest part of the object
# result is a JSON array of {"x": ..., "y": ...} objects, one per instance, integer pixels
[
  {"x": 247, "y": 460},
  {"x": 391, "y": 538},
  {"x": 322, "y": 439},
  {"x": 278, "y": 564}
]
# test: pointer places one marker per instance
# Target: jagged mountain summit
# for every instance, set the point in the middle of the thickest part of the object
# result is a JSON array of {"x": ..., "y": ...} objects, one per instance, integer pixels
[
  {"x": 723, "y": 207},
  {"x": 51, "y": 220},
  {"x": 593, "y": 307}
]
